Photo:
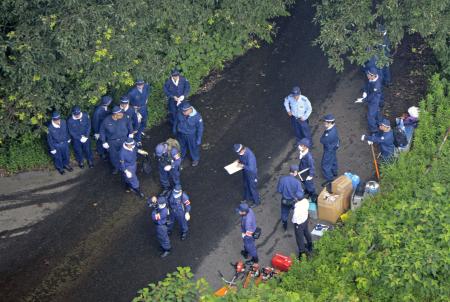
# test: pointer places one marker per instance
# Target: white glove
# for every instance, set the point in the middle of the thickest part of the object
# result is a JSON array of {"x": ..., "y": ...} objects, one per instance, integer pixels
[
  {"x": 131, "y": 135},
  {"x": 97, "y": 136},
  {"x": 167, "y": 168},
  {"x": 364, "y": 95},
  {"x": 243, "y": 235},
  {"x": 139, "y": 117},
  {"x": 142, "y": 152},
  {"x": 53, "y": 152},
  {"x": 181, "y": 98},
  {"x": 69, "y": 140},
  {"x": 370, "y": 143},
  {"x": 359, "y": 100},
  {"x": 363, "y": 137},
  {"x": 105, "y": 145},
  {"x": 83, "y": 139},
  {"x": 309, "y": 178},
  {"x": 187, "y": 216},
  {"x": 128, "y": 174}
]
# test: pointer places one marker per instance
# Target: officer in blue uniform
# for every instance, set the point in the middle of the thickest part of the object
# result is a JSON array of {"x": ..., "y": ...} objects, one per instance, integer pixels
[
  {"x": 299, "y": 109},
  {"x": 385, "y": 140},
  {"x": 160, "y": 217},
  {"x": 373, "y": 96},
  {"x": 306, "y": 170},
  {"x": 248, "y": 227},
  {"x": 247, "y": 160},
  {"x": 180, "y": 207},
  {"x": 130, "y": 114},
  {"x": 291, "y": 190},
  {"x": 330, "y": 142},
  {"x": 128, "y": 166},
  {"x": 169, "y": 162},
  {"x": 177, "y": 90},
  {"x": 58, "y": 142},
  {"x": 138, "y": 96},
  {"x": 79, "y": 126},
  {"x": 114, "y": 130},
  {"x": 100, "y": 113},
  {"x": 188, "y": 128}
]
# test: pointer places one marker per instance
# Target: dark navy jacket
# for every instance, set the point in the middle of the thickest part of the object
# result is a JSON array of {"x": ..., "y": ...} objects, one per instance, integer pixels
[
  {"x": 330, "y": 139},
  {"x": 128, "y": 159},
  {"x": 183, "y": 88},
  {"x": 249, "y": 161},
  {"x": 248, "y": 223},
  {"x": 160, "y": 216},
  {"x": 189, "y": 125},
  {"x": 307, "y": 161},
  {"x": 112, "y": 130},
  {"x": 181, "y": 202},
  {"x": 138, "y": 98},
  {"x": 385, "y": 141},
  {"x": 374, "y": 90},
  {"x": 290, "y": 187},
  {"x": 131, "y": 115},
  {"x": 81, "y": 127},
  {"x": 57, "y": 137},
  {"x": 100, "y": 113}
]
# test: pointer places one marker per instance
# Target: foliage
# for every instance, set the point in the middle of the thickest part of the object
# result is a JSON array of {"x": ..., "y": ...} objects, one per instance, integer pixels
[
  {"x": 348, "y": 27},
  {"x": 396, "y": 246},
  {"x": 55, "y": 54}
]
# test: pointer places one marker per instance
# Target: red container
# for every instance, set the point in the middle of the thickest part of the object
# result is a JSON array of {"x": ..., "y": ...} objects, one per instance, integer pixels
[{"x": 281, "y": 262}]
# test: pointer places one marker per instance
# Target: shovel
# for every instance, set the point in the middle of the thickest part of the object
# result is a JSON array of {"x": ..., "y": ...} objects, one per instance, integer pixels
[{"x": 375, "y": 163}]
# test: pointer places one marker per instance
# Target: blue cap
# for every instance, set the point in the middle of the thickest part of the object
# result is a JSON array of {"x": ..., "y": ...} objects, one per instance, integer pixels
[
  {"x": 161, "y": 200},
  {"x": 185, "y": 105},
  {"x": 372, "y": 71},
  {"x": 160, "y": 149},
  {"x": 76, "y": 110},
  {"x": 329, "y": 118},
  {"x": 56, "y": 115},
  {"x": 237, "y": 147},
  {"x": 176, "y": 189},
  {"x": 116, "y": 109},
  {"x": 243, "y": 207},
  {"x": 305, "y": 142},
  {"x": 296, "y": 91},
  {"x": 175, "y": 72},
  {"x": 293, "y": 168},
  {"x": 129, "y": 141},
  {"x": 385, "y": 122},
  {"x": 106, "y": 100},
  {"x": 124, "y": 100},
  {"x": 139, "y": 82}
]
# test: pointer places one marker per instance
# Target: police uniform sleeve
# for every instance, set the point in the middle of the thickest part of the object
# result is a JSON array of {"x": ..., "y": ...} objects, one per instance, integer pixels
[
  {"x": 186, "y": 202},
  {"x": 71, "y": 130},
  {"x": 50, "y": 140},
  {"x": 375, "y": 138},
  {"x": 199, "y": 129},
  {"x": 166, "y": 89},
  {"x": 187, "y": 88},
  {"x": 312, "y": 170},
  {"x": 87, "y": 131},
  {"x": 103, "y": 131}
]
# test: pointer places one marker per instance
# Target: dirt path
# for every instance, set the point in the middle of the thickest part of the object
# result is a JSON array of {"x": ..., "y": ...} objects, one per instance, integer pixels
[{"x": 100, "y": 245}]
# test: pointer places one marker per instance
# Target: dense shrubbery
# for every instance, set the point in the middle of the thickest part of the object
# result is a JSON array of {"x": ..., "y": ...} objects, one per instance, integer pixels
[
  {"x": 55, "y": 54},
  {"x": 396, "y": 246}
]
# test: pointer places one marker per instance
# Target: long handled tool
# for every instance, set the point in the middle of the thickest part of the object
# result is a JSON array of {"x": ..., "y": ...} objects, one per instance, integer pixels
[{"x": 375, "y": 163}]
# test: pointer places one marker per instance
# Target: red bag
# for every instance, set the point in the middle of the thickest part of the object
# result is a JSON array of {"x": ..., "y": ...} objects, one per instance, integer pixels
[{"x": 281, "y": 262}]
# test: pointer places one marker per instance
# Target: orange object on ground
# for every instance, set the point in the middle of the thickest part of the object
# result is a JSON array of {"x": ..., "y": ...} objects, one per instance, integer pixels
[{"x": 281, "y": 262}]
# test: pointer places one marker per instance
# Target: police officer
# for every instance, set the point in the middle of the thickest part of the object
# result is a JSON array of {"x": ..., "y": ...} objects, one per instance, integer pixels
[
  {"x": 100, "y": 113},
  {"x": 58, "y": 142},
  {"x": 177, "y": 89},
  {"x": 247, "y": 161},
  {"x": 306, "y": 168},
  {"x": 169, "y": 162},
  {"x": 114, "y": 130},
  {"x": 129, "y": 113},
  {"x": 330, "y": 142},
  {"x": 373, "y": 96},
  {"x": 248, "y": 227},
  {"x": 180, "y": 206},
  {"x": 128, "y": 165},
  {"x": 79, "y": 126},
  {"x": 188, "y": 128},
  {"x": 385, "y": 140},
  {"x": 291, "y": 190},
  {"x": 299, "y": 109},
  {"x": 138, "y": 96},
  {"x": 160, "y": 217},
  {"x": 300, "y": 221}
]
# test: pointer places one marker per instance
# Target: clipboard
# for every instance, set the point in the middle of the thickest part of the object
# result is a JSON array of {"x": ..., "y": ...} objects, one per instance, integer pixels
[
  {"x": 233, "y": 167},
  {"x": 303, "y": 174}
]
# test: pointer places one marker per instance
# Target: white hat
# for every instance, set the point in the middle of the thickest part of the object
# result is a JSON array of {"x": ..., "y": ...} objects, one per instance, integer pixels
[{"x": 413, "y": 111}]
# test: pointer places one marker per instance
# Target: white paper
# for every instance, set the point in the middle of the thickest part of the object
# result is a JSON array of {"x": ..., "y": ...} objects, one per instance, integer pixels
[{"x": 233, "y": 167}]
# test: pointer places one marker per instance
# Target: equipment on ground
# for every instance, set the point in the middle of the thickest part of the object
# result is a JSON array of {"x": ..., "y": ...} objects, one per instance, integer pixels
[{"x": 375, "y": 163}]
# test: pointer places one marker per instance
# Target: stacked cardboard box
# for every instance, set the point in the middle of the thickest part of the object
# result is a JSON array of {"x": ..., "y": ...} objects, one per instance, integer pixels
[
  {"x": 343, "y": 186},
  {"x": 330, "y": 206}
]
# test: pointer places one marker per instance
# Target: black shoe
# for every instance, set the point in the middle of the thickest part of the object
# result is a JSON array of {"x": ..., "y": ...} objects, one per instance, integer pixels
[
  {"x": 244, "y": 254},
  {"x": 164, "y": 254},
  {"x": 324, "y": 184},
  {"x": 68, "y": 168},
  {"x": 285, "y": 226},
  {"x": 91, "y": 165},
  {"x": 183, "y": 236},
  {"x": 195, "y": 163},
  {"x": 61, "y": 171},
  {"x": 138, "y": 193},
  {"x": 252, "y": 261},
  {"x": 128, "y": 190},
  {"x": 81, "y": 165},
  {"x": 115, "y": 172}
]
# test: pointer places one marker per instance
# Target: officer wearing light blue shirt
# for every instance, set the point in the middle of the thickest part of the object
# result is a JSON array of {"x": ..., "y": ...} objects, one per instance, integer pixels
[{"x": 299, "y": 109}]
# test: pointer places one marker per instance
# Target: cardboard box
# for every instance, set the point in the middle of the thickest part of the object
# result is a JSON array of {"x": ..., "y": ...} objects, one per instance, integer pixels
[
  {"x": 343, "y": 186},
  {"x": 330, "y": 206}
]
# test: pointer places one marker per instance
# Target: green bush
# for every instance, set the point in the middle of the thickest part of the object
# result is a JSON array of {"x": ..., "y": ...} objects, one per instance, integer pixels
[{"x": 396, "y": 246}]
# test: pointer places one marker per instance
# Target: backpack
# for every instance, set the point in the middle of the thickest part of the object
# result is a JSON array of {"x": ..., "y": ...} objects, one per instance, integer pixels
[{"x": 400, "y": 139}]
